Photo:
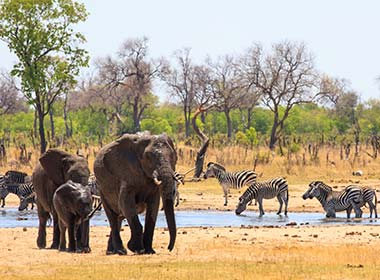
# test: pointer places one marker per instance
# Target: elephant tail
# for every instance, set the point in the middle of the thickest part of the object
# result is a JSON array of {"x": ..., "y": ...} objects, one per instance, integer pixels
[{"x": 93, "y": 211}]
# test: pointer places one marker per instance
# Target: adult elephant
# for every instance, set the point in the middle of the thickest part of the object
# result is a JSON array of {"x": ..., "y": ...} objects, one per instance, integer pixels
[
  {"x": 55, "y": 167},
  {"x": 133, "y": 172}
]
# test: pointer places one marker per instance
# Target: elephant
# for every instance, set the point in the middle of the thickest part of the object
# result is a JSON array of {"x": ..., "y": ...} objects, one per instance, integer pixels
[
  {"x": 133, "y": 172},
  {"x": 54, "y": 168},
  {"x": 73, "y": 204}
]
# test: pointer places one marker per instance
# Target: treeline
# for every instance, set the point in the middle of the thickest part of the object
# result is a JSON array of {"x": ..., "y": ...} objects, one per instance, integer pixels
[{"x": 273, "y": 97}]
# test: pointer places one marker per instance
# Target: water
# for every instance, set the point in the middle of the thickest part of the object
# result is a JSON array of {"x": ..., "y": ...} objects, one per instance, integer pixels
[{"x": 11, "y": 217}]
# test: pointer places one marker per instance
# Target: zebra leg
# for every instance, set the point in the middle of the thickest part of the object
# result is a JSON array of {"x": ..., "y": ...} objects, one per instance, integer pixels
[
  {"x": 279, "y": 198},
  {"x": 260, "y": 201},
  {"x": 62, "y": 239},
  {"x": 285, "y": 198},
  {"x": 177, "y": 198},
  {"x": 372, "y": 207},
  {"x": 225, "y": 190},
  {"x": 43, "y": 216},
  {"x": 348, "y": 210},
  {"x": 358, "y": 211},
  {"x": 3, "y": 204}
]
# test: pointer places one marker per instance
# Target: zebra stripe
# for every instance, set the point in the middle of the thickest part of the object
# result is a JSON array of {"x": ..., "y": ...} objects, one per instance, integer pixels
[
  {"x": 3, "y": 190},
  {"x": 16, "y": 177},
  {"x": 25, "y": 201},
  {"x": 235, "y": 180},
  {"x": 21, "y": 190},
  {"x": 336, "y": 201},
  {"x": 369, "y": 197},
  {"x": 96, "y": 201},
  {"x": 179, "y": 180},
  {"x": 277, "y": 187}
]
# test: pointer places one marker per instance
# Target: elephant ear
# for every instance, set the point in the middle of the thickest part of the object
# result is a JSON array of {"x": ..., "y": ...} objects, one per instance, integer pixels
[
  {"x": 127, "y": 149},
  {"x": 52, "y": 162}
]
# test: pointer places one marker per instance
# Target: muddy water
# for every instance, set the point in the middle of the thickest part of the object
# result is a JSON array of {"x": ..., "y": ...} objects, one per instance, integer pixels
[{"x": 11, "y": 217}]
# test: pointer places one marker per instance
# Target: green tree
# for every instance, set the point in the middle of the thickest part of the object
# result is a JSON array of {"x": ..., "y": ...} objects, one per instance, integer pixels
[{"x": 40, "y": 33}]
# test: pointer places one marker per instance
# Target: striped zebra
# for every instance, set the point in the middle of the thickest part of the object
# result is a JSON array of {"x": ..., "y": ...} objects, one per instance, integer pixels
[
  {"x": 369, "y": 197},
  {"x": 21, "y": 190},
  {"x": 96, "y": 201},
  {"x": 16, "y": 177},
  {"x": 335, "y": 201},
  {"x": 179, "y": 180},
  {"x": 25, "y": 201},
  {"x": 277, "y": 187},
  {"x": 3, "y": 190},
  {"x": 235, "y": 180}
]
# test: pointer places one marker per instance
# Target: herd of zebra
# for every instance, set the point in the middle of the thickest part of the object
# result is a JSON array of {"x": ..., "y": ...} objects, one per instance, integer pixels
[{"x": 352, "y": 197}]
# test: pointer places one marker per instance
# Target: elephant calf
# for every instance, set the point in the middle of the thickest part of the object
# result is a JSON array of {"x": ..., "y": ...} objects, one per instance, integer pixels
[{"x": 73, "y": 205}]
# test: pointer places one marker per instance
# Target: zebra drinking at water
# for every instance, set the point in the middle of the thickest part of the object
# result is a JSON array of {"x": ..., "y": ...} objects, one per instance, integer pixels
[
  {"x": 277, "y": 187},
  {"x": 21, "y": 190},
  {"x": 25, "y": 201},
  {"x": 235, "y": 180},
  {"x": 336, "y": 201},
  {"x": 369, "y": 197}
]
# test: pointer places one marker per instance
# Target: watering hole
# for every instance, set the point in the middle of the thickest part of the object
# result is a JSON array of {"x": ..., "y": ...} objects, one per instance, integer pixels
[{"x": 11, "y": 217}]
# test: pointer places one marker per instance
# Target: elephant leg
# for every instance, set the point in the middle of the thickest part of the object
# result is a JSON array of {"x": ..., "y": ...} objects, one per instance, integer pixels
[
  {"x": 43, "y": 216},
  {"x": 135, "y": 244},
  {"x": 150, "y": 223},
  {"x": 56, "y": 233},
  {"x": 83, "y": 237},
  {"x": 72, "y": 230},
  {"x": 62, "y": 242},
  {"x": 115, "y": 244}
]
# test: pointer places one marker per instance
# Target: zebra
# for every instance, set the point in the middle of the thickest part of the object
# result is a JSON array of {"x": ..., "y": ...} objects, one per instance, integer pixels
[
  {"x": 25, "y": 201},
  {"x": 369, "y": 197},
  {"x": 94, "y": 192},
  {"x": 179, "y": 180},
  {"x": 335, "y": 201},
  {"x": 16, "y": 177},
  {"x": 21, "y": 190},
  {"x": 277, "y": 187},
  {"x": 3, "y": 190},
  {"x": 227, "y": 179}
]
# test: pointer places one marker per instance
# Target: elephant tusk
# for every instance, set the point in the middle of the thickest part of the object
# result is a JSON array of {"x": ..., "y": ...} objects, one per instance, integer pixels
[{"x": 157, "y": 182}]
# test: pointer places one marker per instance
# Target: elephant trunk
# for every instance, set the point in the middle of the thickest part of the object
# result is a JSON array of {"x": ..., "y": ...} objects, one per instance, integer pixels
[{"x": 170, "y": 219}]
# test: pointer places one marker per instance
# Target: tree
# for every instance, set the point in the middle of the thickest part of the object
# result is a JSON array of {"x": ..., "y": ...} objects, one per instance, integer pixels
[
  {"x": 183, "y": 84},
  {"x": 285, "y": 78},
  {"x": 10, "y": 100},
  {"x": 132, "y": 72},
  {"x": 227, "y": 86},
  {"x": 41, "y": 35}
]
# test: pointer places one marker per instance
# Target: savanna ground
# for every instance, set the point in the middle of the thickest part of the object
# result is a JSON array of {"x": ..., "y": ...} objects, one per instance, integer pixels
[{"x": 288, "y": 252}]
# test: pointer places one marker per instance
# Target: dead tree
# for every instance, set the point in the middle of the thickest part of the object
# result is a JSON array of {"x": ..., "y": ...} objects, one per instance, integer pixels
[{"x": 205, "y": 142}]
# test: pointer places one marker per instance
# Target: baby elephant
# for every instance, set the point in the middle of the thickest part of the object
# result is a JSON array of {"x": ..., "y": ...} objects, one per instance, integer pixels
[{"x": 73, "y": 204}]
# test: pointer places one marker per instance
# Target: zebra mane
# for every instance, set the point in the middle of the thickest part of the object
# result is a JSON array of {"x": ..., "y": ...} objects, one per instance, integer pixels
[
  {"x": 217, "y": 165},
  {"x": 322, "y": 185}
]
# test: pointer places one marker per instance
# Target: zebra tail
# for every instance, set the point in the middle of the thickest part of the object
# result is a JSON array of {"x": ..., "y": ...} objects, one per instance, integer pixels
[{"x": 375, "y": 200}]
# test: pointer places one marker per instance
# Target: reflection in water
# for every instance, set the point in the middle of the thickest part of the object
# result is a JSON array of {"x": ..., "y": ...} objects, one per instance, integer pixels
[{"x": 11, "y": 217}]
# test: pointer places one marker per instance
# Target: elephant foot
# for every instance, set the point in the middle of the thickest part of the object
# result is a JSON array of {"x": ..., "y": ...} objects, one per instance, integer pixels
[
  {"x": 41, "y": 243},
  {"x": 84, "y": 250},
  {"x": 149, "y": 251},
  {"x": 135, "y": 247},
  {"x": 120, "y": 252},
  {"x": 54, "y": 246}
]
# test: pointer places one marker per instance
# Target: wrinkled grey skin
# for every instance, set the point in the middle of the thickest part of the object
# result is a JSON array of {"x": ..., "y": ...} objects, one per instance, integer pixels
[
  {"x": 73, "y": 204},
  {"x": 55, "y": 167},
  {"x": 133, "y": 172}
]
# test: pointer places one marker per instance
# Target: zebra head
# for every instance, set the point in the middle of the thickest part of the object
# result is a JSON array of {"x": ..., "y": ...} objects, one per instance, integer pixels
[
  {"x": 212, "y": 170},
  {"x": 313, "y": 190},
  {"x": 242, "y": 205}
]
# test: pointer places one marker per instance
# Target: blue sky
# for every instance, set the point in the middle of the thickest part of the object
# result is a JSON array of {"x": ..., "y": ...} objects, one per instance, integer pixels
[{"x": 343, "y": 35}]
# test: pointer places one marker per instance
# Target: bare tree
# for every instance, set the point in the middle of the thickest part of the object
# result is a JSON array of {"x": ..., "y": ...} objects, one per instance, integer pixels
[
  {"x": 182, "y": 82},
  {"x": 133, "y": 72},
  {"x": 10, "y": 100},
  {"x": 285, "y": 77},
  {"x": 227, "y": 87}
]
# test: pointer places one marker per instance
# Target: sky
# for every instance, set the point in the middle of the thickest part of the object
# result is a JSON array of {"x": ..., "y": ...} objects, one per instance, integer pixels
[{"x": 342, "y": 35}]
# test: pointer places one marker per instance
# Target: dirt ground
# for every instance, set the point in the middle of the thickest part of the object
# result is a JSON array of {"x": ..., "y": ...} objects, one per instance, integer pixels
[{"x": 288, "y": 252}]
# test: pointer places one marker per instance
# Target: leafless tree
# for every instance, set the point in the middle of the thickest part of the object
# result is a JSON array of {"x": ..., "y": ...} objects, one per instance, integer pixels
[
  {"x": 133, "y": 72},
  {"x": 286, "y": 77},
  {"x": 182, "y": 83},
  {"x": 227, "y": 86},
  {"x": 10, "y": 99}
]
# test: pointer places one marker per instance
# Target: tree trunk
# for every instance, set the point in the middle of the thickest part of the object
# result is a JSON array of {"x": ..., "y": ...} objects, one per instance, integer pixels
[
  {"x": 249, "y": 118},
  {"x": 67, "y": 128},
  {"x": 41, "y": 129},
  {"x": 136, "y": 119},
  {"x": 273, "y": 136},
  {"x": 52, "y": 124},
  {"x": 187, "y": 124},
  {"x": 229, "y": 123}
]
